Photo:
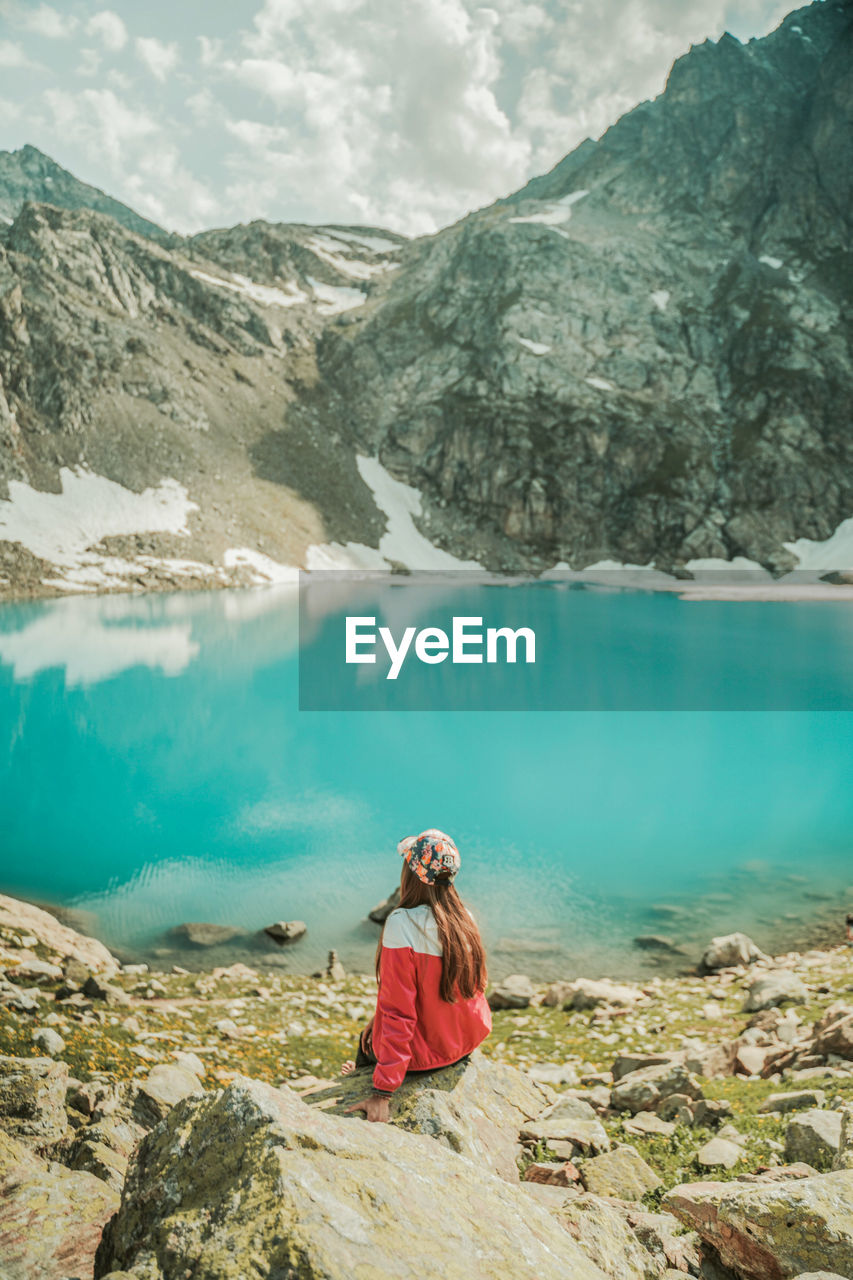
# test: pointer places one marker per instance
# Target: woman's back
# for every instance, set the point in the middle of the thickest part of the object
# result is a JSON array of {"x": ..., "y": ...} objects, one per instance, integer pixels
[{"x": 415, "y": 1028}]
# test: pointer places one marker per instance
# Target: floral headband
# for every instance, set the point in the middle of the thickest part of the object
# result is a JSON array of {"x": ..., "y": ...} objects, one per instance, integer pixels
[{"x": 430, "y": 855}]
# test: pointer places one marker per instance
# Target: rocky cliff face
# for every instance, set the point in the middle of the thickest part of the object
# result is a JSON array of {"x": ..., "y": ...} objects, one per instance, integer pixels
[
  {"x": 643, "y": 357},
  {"x": 28, "y": 175}
]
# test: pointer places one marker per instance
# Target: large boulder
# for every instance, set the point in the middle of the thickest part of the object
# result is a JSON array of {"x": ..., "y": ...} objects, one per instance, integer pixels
[
  {"x": 286, "y": 931},
  {"x": 813, "y": 1137},
  {"x": 604, "y": 1235},
  {"x": 51, "y": 1218},
  {"x": 32, "y": 1099},
  {"x": 251, "y": 1178},
  {"x": 475, "y": 1108},
  {"x": 773, "y": 1230},
  {"x": 513, "y": 992},
  {"x": 61, "y": 941},
  {"x": 588, "y": 993},
  {"x": 730, "y": 951},
  {"x": 645, "y": 1090},
  {"x": 780, "y": 986}
]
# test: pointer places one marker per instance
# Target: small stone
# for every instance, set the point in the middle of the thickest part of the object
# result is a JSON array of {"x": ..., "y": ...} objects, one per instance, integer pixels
[
  {"x": 49, "y": 1040},
  {"x": 190, "y": 1061},
  {"x": 164, "y": 1086},
  {"x": 32, "y": 1099},
  {"x": 773, "y": 989},
  {"x": 514, "y": 992},
  {"x": 556, "y": 1175},
  {"x": 622, "y": 1173},
  {"x": 813, "y": 1137},
  {"x": 798, "y": 1101},
  {"x": 97, "y": 989},
  {"x": 729, "y": 951},
  {"x": 286, "y": 931},
  {"x": 647, "y": 1124},
  {"x": 335, "y": 971},
  {"x": 719, "y": 1153}
]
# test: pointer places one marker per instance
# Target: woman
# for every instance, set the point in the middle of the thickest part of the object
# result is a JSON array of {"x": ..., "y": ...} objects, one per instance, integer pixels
[{"x": 431, "y": 1009}]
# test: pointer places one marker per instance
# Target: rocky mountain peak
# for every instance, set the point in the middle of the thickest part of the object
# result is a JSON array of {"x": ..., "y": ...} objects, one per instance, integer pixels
[{"x": 30, "y": 175}]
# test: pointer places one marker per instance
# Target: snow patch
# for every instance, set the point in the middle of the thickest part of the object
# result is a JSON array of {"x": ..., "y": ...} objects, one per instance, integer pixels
[
  {"x": 401, "y": 541},
  {"x": 335, "y": 298},
  {"x": 775, "y": 263},
  {"x": 660, "y": 297},
  {"x": 601, "y": 383},
  {"x": 556, "y": 213},
  {"x": 538, "y": 348},
  {"x": 329, "y": 250},
  {"x": 715, "y": 564},
  {"x": 377, "y": 243},
  {"x": 836, "y": 552},
  {"x": 264, "y": 294},
  {"x": 60, "y": 527},
  {"x": 262, "y": 568}
]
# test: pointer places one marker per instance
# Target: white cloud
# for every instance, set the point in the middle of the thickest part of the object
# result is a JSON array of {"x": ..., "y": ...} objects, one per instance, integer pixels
[
  {"x": 89, "y": 64},
  {"x": 109, "y": 28},
  {"x": 45, "y": 21},
  {"x": 12, "y": 55},
  {"x": 99, "y": 122},
  {"x": 158, "y": 57}
]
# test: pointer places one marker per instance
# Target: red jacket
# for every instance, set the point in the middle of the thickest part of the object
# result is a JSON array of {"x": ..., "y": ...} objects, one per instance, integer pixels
[{"x": 414, "y": 1029}]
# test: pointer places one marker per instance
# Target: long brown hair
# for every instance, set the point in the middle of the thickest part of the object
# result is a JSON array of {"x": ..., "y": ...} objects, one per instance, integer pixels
[{"x": 463, "y": 970}]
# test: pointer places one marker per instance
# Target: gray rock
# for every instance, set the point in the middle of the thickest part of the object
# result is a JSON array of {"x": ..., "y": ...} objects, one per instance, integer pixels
[
  {"x": 49, "y": 1040},
  {"x": 645, "y": 1089},
  {"x": 97, "y": 989},
  {"x": 604, "y": 1235},
  {"x": 32, "y": 1099},
  {"x": 380, "y": 913},
  {"x": 513, "y": 992},
  {"x": 196, "y": 933},
  {"x": 730, "y": 951},
  {"x": 585, "y": 1136},
  {"x": 284, "y": 931},
  {"x": 622, "y": 1173},
  {"x": 813, "y": 1137},
  {"x": 104, "y": 1149},
  {"x": 793, "y": 1101},
  {"x": 625, "y": 1063},
  {"x": 775, "y": 1228},
  {"x": 772, "y": 989},
  {"x": 476, "y": 1108},
  {"x": 719, "y": 1153},
  {"x": 164, "y": 1086},
  {"x": 843, "y": 1158},
  {"x": 330, "y": 1197},
  {"x": 50, "y": 1217}
]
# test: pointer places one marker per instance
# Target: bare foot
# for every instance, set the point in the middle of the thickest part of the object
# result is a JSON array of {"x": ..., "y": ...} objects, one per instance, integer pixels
[{"x": 348, "y": 1067}]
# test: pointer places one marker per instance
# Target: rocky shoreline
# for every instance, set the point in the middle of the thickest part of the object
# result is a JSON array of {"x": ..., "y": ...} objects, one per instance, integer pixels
[{"x": 193, "y": 1123}]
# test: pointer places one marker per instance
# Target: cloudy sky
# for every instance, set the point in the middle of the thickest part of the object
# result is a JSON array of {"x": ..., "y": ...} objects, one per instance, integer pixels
[{"x": 400, "y": 113}]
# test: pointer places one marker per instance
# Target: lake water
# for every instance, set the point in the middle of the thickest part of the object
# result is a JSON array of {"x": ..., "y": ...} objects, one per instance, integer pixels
[{"x": 155, "y": 768}]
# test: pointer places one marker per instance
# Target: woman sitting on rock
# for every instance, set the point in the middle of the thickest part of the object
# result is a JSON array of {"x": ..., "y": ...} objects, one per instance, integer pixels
[{"x": 431, "y": 1009}]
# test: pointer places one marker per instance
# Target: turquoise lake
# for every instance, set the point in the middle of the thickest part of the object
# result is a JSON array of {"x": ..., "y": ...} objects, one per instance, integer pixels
[{"x": 155, "y": 768}]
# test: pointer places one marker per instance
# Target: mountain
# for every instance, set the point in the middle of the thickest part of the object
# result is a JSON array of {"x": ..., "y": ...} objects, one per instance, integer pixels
[
  {"x": 28, "y": 175},
  {"x": 643, "y": 356}
]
